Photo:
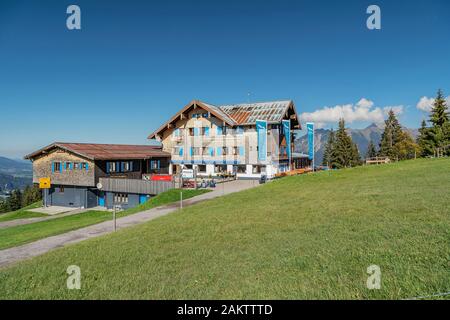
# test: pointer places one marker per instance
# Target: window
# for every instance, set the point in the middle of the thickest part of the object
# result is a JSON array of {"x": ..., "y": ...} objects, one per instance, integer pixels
[
  {"x": 205, "y": 131},
  {"x": 178, "y": 151},
  {"x": 235, "y": 151},
  {"x": 120, "y": 198},
  {"x": 67, "y": 166},
  {"x": 76, "y": 166},
  {"x": 239, "y": 130},
  {"x": 220, "y": 168},
  {"x": 56, "y": 167},
  {"x": 195, "y": 151},
  {"x": 60, "y": 189},
  {"x": 201, "y": 168},
  {"x": 191, "y": 132},
  {"x": 155, "y": 164},
  {"x": 241, "y": 168},
  {"x": 256, "y": 169},
  {"x": 221, "y": 130},
  {"x": 124, "y": 166},
  {"x": 85, "y": 166}
]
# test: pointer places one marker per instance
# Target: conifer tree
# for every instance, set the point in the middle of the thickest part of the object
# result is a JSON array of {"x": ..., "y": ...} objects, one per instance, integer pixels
[
  {"x": 345, "y": 151},
  {"x": 31, "y": 195},
  {"x": 439, "y": 112},
  {"x": 425, "y": 140},
  {"x": 15, "y": 200},
  {"x": 390, "y": 136},
  {"x": 371, "y": 150},
  {"x": 329, "y": 150}
]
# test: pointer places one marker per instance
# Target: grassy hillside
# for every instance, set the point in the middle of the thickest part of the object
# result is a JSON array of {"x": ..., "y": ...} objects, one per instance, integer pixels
[
  {"x": 22, "y": 234},
  {"x": 299, "y": 237},
  {"x": 23, "y": 213}
]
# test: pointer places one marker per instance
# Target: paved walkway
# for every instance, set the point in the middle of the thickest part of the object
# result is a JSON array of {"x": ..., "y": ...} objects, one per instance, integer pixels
[
  {"x": 20, "y": 222},
  {"x": 12, "y": 255}
]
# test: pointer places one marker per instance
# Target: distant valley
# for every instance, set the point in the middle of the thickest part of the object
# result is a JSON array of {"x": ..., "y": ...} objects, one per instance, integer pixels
[{"x": 14, "y": 174}]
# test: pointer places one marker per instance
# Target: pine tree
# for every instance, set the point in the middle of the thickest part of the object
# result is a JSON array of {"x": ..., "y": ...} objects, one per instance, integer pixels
[
  {"x": 371, "y": 150},
  {"x": 3, "y": 206},
  {"x": 390, "y": 136},
  {"x": 31, "y": 195},
  {"x": 439, "y": 112},
  {"x": 425, "y": 140},
  {"x": 329, "y": 150},
  {"x": 15, "y": 200},
  {"x": 440, "y": 131},
  {"x": 345, "y": 151},
  {"x": 355, "y": 157}
]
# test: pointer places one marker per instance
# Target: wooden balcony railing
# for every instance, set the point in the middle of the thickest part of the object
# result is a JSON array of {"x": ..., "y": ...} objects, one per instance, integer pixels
[{"x": 135, "y": 186}]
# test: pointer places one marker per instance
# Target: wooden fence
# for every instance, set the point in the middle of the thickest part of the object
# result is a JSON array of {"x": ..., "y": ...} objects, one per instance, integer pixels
[{"x": 136, "y": 186}]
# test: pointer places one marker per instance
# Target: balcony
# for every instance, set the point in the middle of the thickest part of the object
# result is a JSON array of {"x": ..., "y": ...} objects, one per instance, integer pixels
[{"x": 135, "y": 186}]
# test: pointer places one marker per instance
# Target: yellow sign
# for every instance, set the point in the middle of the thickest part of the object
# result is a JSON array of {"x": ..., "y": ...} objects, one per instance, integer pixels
[{"x": 44, "y": 183}]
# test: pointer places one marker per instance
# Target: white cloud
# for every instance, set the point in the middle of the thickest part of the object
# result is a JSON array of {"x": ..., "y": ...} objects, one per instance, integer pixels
[
  {"x": 426, "y": 104},
  {"x": 363, "y": 110}
]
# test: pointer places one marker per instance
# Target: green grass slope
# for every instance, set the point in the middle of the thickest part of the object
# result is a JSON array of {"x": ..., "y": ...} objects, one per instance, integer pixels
[
  {"x": 23, "y": 213},
  {"x": 22, "y": 234},
  {"x": 305, "y": 237}
]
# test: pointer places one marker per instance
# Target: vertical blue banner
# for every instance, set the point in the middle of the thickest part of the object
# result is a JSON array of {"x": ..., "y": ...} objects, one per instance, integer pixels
[
  {"x": 310, "y": 129},
  {"x": 287, "y": 135},
  {"x": 261, "y": 132}
]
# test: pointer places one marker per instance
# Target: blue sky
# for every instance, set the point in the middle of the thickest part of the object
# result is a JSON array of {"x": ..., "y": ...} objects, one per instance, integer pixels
[{"x": 135, "y": 63}]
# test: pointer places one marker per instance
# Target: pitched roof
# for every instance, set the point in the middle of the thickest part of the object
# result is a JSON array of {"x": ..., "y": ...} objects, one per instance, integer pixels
[
  {"x": 93, "y": 151},
  {"x": 240, "y": 114},
  {"x": 248, "y": 113}
]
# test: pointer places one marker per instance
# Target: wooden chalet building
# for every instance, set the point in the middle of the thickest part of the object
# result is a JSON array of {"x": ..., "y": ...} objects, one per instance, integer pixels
[
  {"x": 248, "y": 140},
  {"x": 89, "y": 175}
]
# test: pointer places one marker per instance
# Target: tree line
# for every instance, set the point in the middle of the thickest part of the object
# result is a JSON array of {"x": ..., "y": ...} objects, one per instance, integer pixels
[
  {"x": 20, "y": 199},
  {"x": 396, "y": 143}
]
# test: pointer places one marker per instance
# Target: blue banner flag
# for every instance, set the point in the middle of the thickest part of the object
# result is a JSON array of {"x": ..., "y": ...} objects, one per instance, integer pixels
[
  {"x": 261, "y": 131},
  {"x": 287, "y": 135},
  {"x": 310, "y": 129}
]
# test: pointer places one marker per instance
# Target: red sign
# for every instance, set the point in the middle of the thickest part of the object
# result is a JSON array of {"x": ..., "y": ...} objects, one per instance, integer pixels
[{"x": 157, "y": 177}]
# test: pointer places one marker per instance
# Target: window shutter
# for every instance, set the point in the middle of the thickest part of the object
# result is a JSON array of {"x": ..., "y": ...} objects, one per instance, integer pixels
[
  {"x": 53, "y": 167},
  {"x": 211, "y": 151},
  {"x": 241, "y": 151},
  {"x": 219, "y": 131},
  {"x": 219, "y": 151},
  {"x": 206, "y": 131},
  {"x": 181, "y": 151},
  {"x": 87, "y": 166},
  {"x": 192, "y": 151}
]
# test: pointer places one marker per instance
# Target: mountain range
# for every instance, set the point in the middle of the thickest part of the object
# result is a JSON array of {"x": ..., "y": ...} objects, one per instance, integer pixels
[
  {"x": 14, "y": 174},
  {"x": 361, "y": 137}
]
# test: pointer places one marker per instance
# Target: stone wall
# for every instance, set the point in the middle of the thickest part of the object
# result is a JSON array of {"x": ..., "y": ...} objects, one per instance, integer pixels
[{"x": 42, "y": 168}]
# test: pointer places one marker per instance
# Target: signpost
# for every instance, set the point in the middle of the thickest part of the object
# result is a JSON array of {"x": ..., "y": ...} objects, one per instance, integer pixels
[
  {"x": 45, "y": 184},
  {"x": 187, "y": 174},
  {"x": 116, "y": 207}
]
